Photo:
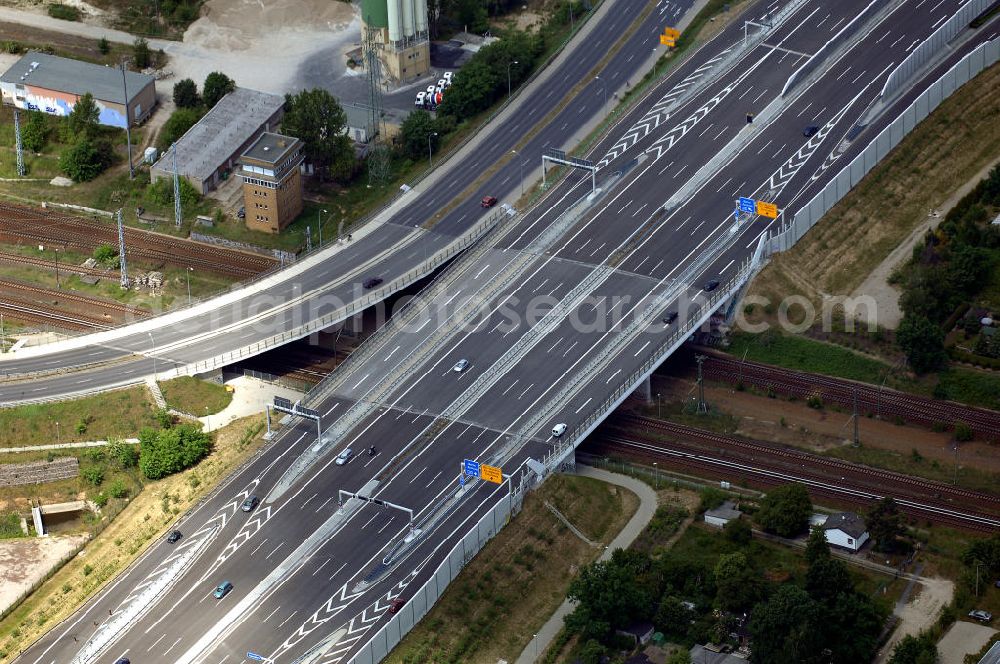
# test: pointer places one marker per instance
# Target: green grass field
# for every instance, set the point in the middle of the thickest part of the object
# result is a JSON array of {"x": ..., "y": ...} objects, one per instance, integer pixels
[{"x": 194, "y": 396}]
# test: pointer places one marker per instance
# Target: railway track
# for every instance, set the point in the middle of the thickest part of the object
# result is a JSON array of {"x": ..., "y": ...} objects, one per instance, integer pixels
[
  {"x": 25, "y": 225},
  {"x": 78, "y": 312},
  {"x": 871, "y": 398},
  {"x": 760, "y": 473},
  {"x": 34, "y": 261}
]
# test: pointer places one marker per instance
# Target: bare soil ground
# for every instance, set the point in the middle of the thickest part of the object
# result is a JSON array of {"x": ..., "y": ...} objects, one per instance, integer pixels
[
  {"x": 926, "y": 602},
  {"x": 964, "y": 638},
  {"x": 760, "y": 417},
  {"x": 24, "y": 561},
  {"x": 924, "y": 172}
]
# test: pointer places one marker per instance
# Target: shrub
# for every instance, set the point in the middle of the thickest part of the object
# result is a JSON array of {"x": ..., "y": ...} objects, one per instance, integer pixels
[
  {"x": 64, "y": 12},
  {"x": 186, "y": 94},
  {"x": 93, "y": 476},
  {"x": 104, "y": 46},
  {"x": 168, "y": 451},
  {"x": 105, "y": 253},
  {"x": 87, "y": 569},
  {"x": 141, "y": 54},
  {"x": 85, "y": 160},
  {"x": 123, "y": 454},
  {"x": 101, "y": 499},
  {"x": 117, "y": 489},
  {"x": 963, "y": 432},
  {"x": 162, "y": 193},
  {"x": 179, "y": 122}
]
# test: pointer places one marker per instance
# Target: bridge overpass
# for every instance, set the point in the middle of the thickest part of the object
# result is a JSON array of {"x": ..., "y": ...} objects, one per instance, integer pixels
[{"x": 559, "y": 312}]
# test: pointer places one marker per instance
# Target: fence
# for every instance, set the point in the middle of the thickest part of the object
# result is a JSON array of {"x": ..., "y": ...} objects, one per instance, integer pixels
[
  {"x": 422, "y": 599},
  {"x": 933, "y": 45},
  {"x": 977, "y": 60}
]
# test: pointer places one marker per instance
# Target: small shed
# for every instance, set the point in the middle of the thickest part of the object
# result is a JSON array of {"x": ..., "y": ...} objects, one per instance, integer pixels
[
  {"x": 846, "y": 530},
  {"x": 722, "y": 514}
]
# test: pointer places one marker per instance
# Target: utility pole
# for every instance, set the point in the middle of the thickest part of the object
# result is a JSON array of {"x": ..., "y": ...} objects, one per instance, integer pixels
[
  {"x": 857, "y": 439},
  {"x": 309, "y": 239},
  {"x": 128, "y": 124},
  {"x": 19, "y": 145},
  {"x": 177, "y": 189},
  {"x": 187, "y": 275},
  {"x": 122, "y": 267},
  {"x": 702, "y": 406}
]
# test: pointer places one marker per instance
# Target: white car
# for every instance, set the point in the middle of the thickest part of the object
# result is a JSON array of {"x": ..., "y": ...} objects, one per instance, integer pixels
[
  {"x": 420, "y": 99},
  {"x": 430, "y": 89},
  {"x": 447, "y": 77},
  {"x": 442, "y": 84},
  {"x": 344, "y": 456},
  {"x": 460, "y": 366},
  {"x": 558, "y": 430}
]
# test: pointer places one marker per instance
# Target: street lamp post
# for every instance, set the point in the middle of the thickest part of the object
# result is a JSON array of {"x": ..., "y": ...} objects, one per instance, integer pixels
[
  {"x": 508, "y": 76},
  {"x": 187, "y": 276},
  {"x": 656, "y": 475},
  {"x": 657, "y": 405},
  {"x": 605, "y": 89},
  {"x": 58, "y": 434},
  {"x": 520, "y": 161},
  {"x": 319, "y": 225},
  {"x": 654, "y": 63},
  {"x": 152, "y": 351},
  {"x": 430, "y": 151}
]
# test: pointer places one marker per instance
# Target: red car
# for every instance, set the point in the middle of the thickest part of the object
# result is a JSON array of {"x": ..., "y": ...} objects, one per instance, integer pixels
[
  {"x": 396, "y": 605},
  {"x": 489, "y": 201}
]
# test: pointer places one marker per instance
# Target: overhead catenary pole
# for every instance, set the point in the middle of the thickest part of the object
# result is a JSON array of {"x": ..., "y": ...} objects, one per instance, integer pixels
[
  {"x": 177, "y": 189},
  {"x": 702, "y": 406},
  {"x": 18, "y": 144},
  {"x": 122, "y": 266}
]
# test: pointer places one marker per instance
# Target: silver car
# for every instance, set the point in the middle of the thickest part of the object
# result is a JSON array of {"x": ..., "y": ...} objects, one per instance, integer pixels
[
  {"x": 343, "y": 457},
  {"x": 460, "y": 366}
]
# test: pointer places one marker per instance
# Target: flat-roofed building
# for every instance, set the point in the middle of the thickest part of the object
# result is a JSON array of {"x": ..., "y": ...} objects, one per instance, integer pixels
[
  {"x": 53, "y": 85},
  {"x": 272, "y": 184},
  {"x": 210, "y": 150}
]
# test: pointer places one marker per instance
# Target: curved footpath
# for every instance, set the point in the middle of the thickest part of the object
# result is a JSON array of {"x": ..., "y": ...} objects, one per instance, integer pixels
[{"x": 647, "y": 508}]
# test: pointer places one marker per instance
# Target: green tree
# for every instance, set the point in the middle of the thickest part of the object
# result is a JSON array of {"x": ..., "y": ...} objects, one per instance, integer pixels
[
  {"x": 85, "y": 160},
  {"x": 217, "y": 85},
  {"x": 785, "y": 510},
  {"x": 124, "y": 454},
  {"x": 920, "y": 649},
  {"x": 35, "y": 133},
  {"x": 986, "y": 551},
  {"x": 679, "y": 657},
  {"x": 186, "y": 94},
  {"x": 922, "y": 341},
  {"x": 168, "y": 451},
  {"x": 315, "y": 117},
  {"x": 179, "y": 122},
  {"x": 84, "y": 118},
  {"x": 141, "y": 55},
  {"x": 104, "y": 46},
  {"x": 963, "y": 432},
  {"x": 417, "y": 133},
  {"x": 608, "y": 594},
  {"x": 738, "y": 585},
  {"x": 738, "y": 531},
  {"x": 672, "y": 617},
  {"x": 784, "y": 629},
  {"x": 826, "y": 578},
  {"x": 884, "y": 523},
  {"x": 817, "y": 548}
]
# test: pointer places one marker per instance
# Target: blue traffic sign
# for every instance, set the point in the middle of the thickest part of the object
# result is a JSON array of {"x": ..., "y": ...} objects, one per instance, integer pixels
[
  {"x": 748, "y": 205},
  {"x": 471, "y": 467},
  {"x": 254, "y": 656}
]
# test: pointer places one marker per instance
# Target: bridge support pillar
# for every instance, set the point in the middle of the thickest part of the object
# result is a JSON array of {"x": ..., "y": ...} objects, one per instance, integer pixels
[{"x": 645, "y": 390}]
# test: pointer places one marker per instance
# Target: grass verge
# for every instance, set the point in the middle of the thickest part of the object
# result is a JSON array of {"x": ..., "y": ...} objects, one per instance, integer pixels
[
  {"x": 519, "y": 578},
  {"x": 195, "y": 396},
  {"x": 115, "y": 414},
  {"x": 139, "y": 523},
  {"x": 969, "y": 477}
]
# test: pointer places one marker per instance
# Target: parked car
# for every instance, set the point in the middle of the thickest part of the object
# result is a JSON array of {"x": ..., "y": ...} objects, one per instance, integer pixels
[
  {"x": 558, "y": 430},
  {"x": 249, "y": 504},
  {"x": 241, "y": 213},
  {"x": 448, "y": 76},
  {"x": 980, "y": 615},
  {"x": 395, "y": 605},
  {"x": 670, "y": 317},
  {"x": 460, "y": 366},
  {"x": 810, "y": 130},
  {"x": 711, "y": 285},
  {"x": 343, "y": 457},
  {"x": 421, "y": 96},
  {"x": 123, "y": 660},
  {"x": 442, "y": 84},
  {"x": 222, "y": 589},
  {"x": 372, "y": 282},
  {"x": 489, "y": 201},
  {"x": 430, "y": 89},
  {"x": 997, "y": 584},
  {"x": 174, "y": 536}
]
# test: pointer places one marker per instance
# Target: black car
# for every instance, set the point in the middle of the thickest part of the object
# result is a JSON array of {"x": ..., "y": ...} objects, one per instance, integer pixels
[
  {"x": 670, "y": 317},
  {"x": 372, "y": 282},
  {"x": 810, "y": 131},
  {"x": 123, "y": 660},
  {"x": 174, "y": 536},
  {"x": 711, "y": 285}
]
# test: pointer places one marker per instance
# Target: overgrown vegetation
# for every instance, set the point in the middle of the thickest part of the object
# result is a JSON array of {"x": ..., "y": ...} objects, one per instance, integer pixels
[
  {"x": 10, "y": 525},
  {"x": 64, "y": 12},
  {"x": 167, "y": 451},
  {"x": 195, "y": 396},
  {"x": 157, "y": 18}
]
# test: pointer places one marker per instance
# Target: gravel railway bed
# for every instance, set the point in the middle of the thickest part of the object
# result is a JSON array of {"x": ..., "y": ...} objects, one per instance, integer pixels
[
  {"x": 765, "y": 472},
  {"x": 872, "y": 399},
  {"x": 25, "y": 225},
  {"x": 64, "y": 268},
  {"x": 63, "y": 308}
]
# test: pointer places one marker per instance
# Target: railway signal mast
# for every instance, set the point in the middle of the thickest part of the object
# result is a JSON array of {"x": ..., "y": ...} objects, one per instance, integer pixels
[{"x": 121, "y": 252}]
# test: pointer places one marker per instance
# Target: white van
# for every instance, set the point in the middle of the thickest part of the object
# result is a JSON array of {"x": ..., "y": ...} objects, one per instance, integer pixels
[
  {"x": 558, "y": 430},
  {"x": 420, "y": 99}
]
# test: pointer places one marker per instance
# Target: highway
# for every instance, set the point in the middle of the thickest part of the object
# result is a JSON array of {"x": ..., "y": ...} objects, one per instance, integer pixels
[
  {"x": 396, "y": 247},
  {"x": 554, "y": 311}
]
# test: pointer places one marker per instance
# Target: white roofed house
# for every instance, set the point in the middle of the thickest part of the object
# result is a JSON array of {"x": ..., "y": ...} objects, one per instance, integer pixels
[{"x": 846, "y": 530}]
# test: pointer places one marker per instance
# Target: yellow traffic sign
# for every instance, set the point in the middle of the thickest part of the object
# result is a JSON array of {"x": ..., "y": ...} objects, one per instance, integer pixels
[
  {"x": 767, "y": 209},
  {"x": 667, "y": 41},
  {"x": 673, "y": 33},
  {"x": 491, "y": 473}
]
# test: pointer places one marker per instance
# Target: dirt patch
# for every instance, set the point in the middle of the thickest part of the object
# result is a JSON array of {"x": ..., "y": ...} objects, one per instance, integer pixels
[
  {"x": 926, "y": 602},
  {"x": 794, "y": 423},
  {"x": 24, "y": 562},
  {"x": 964, "y": 638},
  {"x": 240, "y": 25}
]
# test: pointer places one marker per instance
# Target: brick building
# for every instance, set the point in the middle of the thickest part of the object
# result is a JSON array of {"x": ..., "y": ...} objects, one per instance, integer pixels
[{"x": 272, "y": 184}]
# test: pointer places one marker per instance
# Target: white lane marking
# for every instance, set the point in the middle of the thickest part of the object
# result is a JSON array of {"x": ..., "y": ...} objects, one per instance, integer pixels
[
  {"x": 271, "y": 614},
  {"x": 162, "y": 636},
  {"x": 414, "y": 478},
  {"x": 307, "y": 500},
  {"x": 434, "y": 479},
  {"x": 258, "y": 547},
  {"x": 321, "y": 566},
  {"x": 361, "y": 381},
  {"x": 642, "y": 349},
  {"x": 288, "y": 618},
  {"x": 339, "y": 570},
  {"x": 268, "y": 556},
  {"x": 391, "y": 353},
  {"x": 584, "y": 405},
  {"x": 612, "y": 376}
]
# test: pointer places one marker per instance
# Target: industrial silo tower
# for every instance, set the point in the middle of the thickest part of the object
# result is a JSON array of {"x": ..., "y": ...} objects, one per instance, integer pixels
[{"x": 400, "y": 29}]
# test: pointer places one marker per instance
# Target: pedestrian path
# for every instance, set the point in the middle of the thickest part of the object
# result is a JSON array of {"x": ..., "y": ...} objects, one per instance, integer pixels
[
  {"x": 638, "y": 522},
  {"x": 61, "y": 446}
]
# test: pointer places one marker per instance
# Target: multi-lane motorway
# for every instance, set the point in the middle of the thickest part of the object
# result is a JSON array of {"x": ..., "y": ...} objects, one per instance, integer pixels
[{"x": 554, "y": 311}]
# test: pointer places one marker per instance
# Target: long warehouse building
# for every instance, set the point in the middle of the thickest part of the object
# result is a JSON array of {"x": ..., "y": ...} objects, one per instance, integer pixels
[{"x": 51, "y": 84}]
